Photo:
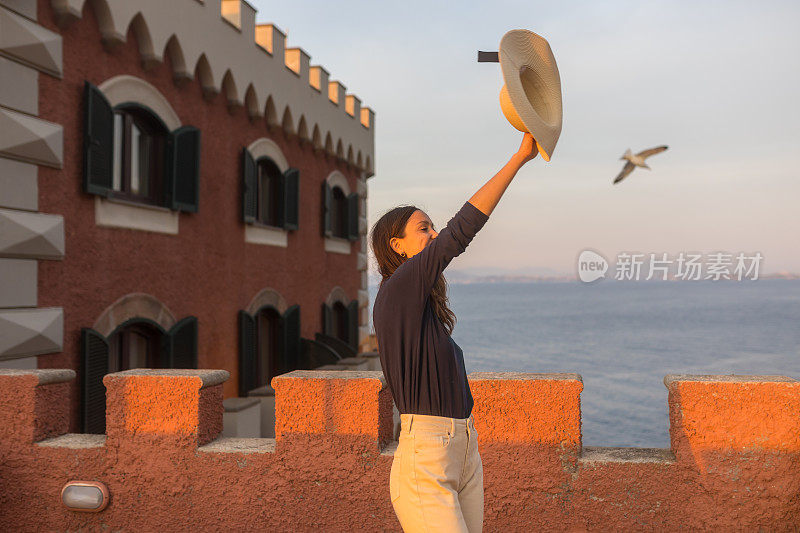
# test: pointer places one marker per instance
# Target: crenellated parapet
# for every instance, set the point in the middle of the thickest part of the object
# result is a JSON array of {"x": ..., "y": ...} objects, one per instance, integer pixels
[
  {"x": 219, "y": 42},
  {"x": 732, "y": 465}
]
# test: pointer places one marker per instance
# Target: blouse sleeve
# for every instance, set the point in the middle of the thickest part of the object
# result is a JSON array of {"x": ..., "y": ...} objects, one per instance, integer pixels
[{"x": 414, "y": 279}]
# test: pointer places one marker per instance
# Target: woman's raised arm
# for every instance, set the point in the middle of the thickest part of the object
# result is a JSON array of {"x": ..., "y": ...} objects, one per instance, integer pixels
[{"x": 487, "y": 196}]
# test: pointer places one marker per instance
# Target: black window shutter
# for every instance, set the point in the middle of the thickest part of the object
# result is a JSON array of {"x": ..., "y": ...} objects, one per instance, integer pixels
[
  {"x": 184, "y": 174},
  {"x": 352, "y": 324},
  {"x": 327, "y": 320},
  {"x": 291, "y": 339},
  {"x": 182, "y": 344},
  {"x": 281, "y": 205},
  {"x": 98, "y": 141},
  {"x": 352, "y": 217},
  {"x": 327, "y": 203},
  {"x": 247, "y": 353},
  {"x": 291, "y": 198},
  {"x": 249, "y": 186},
  {"x": 95, "y": 365}
]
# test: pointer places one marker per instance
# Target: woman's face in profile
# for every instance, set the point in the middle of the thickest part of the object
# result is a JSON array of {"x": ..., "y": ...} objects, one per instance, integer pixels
[{"x": 419, "y": 232}]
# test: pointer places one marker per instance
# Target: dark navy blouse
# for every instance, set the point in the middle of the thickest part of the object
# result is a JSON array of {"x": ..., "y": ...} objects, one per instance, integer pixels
[{"x": 423, "y": 366}]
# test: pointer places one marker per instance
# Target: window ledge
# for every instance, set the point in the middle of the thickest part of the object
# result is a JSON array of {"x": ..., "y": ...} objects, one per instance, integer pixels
[
  {"x": 337, "y": 245},
  {"x": 268, "y": 235},
  {"x": 116, "y": 213}
]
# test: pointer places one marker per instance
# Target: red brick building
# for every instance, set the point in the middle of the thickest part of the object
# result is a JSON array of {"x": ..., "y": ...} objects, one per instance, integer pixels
[{"x": 179, "y": 190}]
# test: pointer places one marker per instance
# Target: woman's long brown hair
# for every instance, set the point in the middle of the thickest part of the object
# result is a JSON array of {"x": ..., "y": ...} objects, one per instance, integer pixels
[{"x": 393, "y": 224}]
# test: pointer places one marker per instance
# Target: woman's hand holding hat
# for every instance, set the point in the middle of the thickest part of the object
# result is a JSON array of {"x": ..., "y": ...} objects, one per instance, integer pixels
[{"x": 528, "y": 149}]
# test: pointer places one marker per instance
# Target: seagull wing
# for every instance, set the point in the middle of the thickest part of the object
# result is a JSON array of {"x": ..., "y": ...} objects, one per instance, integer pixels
[
  {"x": 627, "y": 169},
  {"x": 652, "y": 151}
]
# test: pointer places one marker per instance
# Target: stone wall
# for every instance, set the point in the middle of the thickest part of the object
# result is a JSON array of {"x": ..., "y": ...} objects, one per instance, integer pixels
[{"x": 734, "y": 461}]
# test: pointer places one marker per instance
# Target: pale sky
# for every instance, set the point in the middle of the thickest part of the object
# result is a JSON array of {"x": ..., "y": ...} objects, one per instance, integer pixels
[{"x": 716, "y": 81}]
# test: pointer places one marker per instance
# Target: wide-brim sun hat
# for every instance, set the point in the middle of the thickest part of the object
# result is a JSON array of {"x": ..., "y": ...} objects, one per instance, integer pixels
[{"x": 531, "y": 96}]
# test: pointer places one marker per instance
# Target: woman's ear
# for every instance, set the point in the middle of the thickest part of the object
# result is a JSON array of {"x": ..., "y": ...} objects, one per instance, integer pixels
[{"x": 394, "y": 243}]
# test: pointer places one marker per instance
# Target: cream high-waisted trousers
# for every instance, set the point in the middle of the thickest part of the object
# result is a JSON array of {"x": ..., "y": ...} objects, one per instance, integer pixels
[{"x": 436, "y": 482}]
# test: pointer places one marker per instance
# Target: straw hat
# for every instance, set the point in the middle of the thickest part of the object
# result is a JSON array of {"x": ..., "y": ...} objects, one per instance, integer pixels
[{"x": 531, "y": 96}]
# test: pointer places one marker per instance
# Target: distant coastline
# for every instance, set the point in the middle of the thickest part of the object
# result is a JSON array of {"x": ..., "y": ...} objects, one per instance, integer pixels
[
  {"x": 565, "y": 278},
  {"x": 457, "y": 277}
]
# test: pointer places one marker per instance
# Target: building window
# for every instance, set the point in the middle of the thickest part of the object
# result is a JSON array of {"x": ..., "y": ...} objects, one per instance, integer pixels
[
  {"x": 130, "y": 154},
  {"x": 269, "y": 197},
  {"x": 139, "y": 150},
  {"x": 270, "y": 194},
  {"x": 340, "y": 321},
  {"x": 339, "y": 212},
  {"x": 268, "y": 344},
  {"x": 135, "y": 346},
  {"x": 136, "y": 343}
]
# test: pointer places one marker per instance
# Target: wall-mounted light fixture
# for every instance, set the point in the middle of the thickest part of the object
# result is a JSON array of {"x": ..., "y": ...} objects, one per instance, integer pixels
[{"x": 85, "y": 496}]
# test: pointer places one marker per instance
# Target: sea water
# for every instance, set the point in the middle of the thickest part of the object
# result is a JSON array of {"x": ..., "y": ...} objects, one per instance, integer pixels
[{"x": 624, "y": 337}]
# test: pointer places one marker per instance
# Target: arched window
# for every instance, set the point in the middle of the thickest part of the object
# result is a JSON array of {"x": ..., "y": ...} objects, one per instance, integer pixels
[
  {"x": 139, "y": 155},
  {"x": 135, "y": 345},
  {"x": 131, "y": 335},
  {"x": 136, "y": 149},
  {"x": 269, "y": 341},
  {"x": 268, "y": 363},
  {"x": 340, "y": 318},
  {"x": 339, "y": 213},
  {"x": 270, "y": 194}
]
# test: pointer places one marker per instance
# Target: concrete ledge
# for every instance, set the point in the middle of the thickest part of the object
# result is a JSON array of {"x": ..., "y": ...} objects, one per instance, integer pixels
[
  {"x": 116, "y": 213},
  {"x": 208, "y": 377},
  {"x": 237, "y": 445},
  {"x": 593, "y": 455},
  {"x": 337, "y": 245},
  {"x": 669, "y": 379},
  {"x": 259, "y": 234},
  {"x": 332, "y": 374},
  {"x": 523, "y": 376},
  {"x": 45, "y": 376},
  {"x": 75, "y": 441}
]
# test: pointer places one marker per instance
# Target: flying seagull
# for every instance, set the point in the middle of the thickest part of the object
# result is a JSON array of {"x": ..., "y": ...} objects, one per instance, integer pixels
[{"x": 637, "y": 160}]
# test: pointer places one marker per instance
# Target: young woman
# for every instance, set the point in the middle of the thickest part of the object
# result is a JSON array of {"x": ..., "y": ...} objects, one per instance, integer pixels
[{"x": 436, "y": 481}]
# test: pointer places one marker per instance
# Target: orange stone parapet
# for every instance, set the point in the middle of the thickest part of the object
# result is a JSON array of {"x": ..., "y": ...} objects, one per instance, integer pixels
[
  {"x": 515, "y": 407},
  {"x": 734, "y": 413},
  {"x": 734, "y": 461},
  {"x": 158, "y": 405},
  {"x": 33, "y": 405},
  {"x": 333, "y": 402}
]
